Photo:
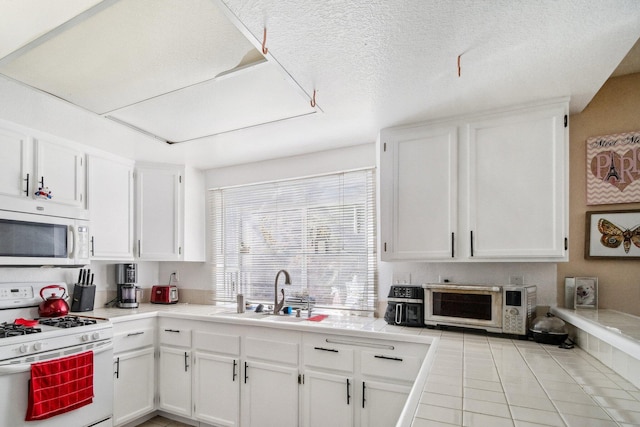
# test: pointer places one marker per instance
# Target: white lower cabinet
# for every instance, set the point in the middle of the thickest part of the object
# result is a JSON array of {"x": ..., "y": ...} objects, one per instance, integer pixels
[
  {"x": 133, "y": 386},
  {"x": 216, "y": 376},
  {"x": 328, "y": 399},
  {"x": 351, "y": 381},
  {"x": 174, "y": 367},
  {"x": 230, "y": 375},
  {"x": 270, "y": 388},
  {"x": 382, "y": 403},
  {"x": 134, "y": 370}
]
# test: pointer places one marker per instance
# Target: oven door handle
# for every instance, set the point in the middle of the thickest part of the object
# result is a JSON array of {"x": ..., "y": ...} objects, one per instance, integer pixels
[{"x": 26, "y": 367}]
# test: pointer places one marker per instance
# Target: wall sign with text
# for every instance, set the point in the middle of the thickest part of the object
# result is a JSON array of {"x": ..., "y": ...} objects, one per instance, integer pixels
[{"x": 613, "y": 169}]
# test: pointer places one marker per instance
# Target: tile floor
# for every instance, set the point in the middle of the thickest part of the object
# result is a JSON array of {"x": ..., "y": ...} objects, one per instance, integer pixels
[
  {"x": 162, "y": 422},
  {"x": 481, "y": 380}
]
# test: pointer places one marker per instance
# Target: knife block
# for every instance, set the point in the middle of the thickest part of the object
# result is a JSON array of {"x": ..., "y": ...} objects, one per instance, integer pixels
[{"x": 83, "y": 298}]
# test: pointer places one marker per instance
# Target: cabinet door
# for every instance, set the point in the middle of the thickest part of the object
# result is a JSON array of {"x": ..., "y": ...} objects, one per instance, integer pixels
[
  {"x": 328, "y": 399},
  {"x": 418, "y": 192},
  {"x": 158, "y": 201},
  {"x": 517, "y": 185},
  {"x": 133, "y": 385},
  {"x": 15, "y": 164},
  {"x": 270, "y": 395},
  {"x": 216, "y": 389},
  {"x": 60, "y": 169},
  {"x": 110, "y": 201},
  {"x": 382, "y": 403},
  {"x": 175, "y": 380}
]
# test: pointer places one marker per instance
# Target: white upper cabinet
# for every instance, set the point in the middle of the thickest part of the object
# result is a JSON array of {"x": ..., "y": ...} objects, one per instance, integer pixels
[
  {"x": 169, "y": 213},
  {"x": 491, "y": 187},
  {"x": 60, "y": 169},
  {"x": 32, "y": 160},
  {"x": 15, "y": 166},
  {"x": 110, "y": 201},
  {"x": 517, "y": 166},
  {"x": 418, "y": 174}
]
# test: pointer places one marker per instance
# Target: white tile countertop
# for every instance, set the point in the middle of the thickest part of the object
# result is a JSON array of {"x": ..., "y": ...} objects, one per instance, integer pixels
[{"x": 474, "y": 379}]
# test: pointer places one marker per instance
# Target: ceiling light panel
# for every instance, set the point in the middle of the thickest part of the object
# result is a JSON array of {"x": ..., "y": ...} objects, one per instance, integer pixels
[
  {"x": 25, "y": 20},
  {"x": 253, "y": 96},
  {"x": 133, "y": 51}
]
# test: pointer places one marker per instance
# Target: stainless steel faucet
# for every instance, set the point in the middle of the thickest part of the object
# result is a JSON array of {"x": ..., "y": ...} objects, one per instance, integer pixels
[{"x": 277, "y": 306}]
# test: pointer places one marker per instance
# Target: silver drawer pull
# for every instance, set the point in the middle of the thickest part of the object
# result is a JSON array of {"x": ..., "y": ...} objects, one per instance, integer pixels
[
  {"x": 333, "y": 350},
  {"x": 397, "y": 359},
  {"x": 132, "y": 334}
]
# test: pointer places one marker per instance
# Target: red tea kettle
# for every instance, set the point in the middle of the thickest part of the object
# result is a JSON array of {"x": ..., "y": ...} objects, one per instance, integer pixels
[{"x": 53, "y": 306}]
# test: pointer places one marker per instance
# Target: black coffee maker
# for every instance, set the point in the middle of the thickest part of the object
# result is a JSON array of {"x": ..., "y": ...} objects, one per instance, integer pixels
[{"x": 126, "y": 280}]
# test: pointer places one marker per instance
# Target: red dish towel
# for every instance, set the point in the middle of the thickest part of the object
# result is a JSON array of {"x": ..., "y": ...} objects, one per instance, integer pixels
[
  {"x": 318, "y": 317},
  {"x": 60, "y": 385}
]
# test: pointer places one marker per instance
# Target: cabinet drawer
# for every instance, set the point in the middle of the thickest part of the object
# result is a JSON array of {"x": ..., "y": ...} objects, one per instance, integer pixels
[
  {"x": 180, "y": 337},
  {"x": 217, "y": 343},
  {"x": 282, "y": 352},
  {"x": 329, "y": 357},
  {"x": 132, "y": 339},
  {"x": 390, "y": 365}
]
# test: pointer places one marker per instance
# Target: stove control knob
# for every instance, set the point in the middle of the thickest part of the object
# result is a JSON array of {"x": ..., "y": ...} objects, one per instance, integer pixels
[
  {"x": 37, "y": 346},
  {"x": 95, "y": 335},
  {"x": 23, "y": 348},
  {"x": 84, "y": 338}
]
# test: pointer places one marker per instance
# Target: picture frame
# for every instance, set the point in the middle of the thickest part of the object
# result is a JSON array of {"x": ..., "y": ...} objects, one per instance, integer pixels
[
  {"x": 612, "y": 235},
  {"x": 581, "y": 292},
  {"x": 613, "y": 169}
]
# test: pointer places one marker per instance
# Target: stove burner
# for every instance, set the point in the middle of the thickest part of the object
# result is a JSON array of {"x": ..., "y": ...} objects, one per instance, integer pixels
[
  {"x": 12, "y": 330},
  {"x": 67, "y": 321}
]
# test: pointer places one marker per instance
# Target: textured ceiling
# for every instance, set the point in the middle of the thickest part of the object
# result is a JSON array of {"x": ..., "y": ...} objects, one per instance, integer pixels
[{"x": 374, "y": 64}]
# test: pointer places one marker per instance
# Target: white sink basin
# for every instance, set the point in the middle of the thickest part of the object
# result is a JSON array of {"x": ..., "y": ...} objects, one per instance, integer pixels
[{"x": 272, "y": 318}]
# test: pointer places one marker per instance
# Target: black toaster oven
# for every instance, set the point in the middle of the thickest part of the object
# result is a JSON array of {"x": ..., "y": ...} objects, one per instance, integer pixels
[{"x": 406, "y": 306}]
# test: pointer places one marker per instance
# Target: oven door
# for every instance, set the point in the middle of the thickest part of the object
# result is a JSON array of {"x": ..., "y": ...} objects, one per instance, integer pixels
[
  {"x": 466, "y": 306},
  {"x": 14, "y": 388}
]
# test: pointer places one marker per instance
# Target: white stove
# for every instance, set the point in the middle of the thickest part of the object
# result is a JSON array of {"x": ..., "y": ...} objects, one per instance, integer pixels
[
  {"x": 19, "y": 302},
  {"x": 27, "y": 338}
]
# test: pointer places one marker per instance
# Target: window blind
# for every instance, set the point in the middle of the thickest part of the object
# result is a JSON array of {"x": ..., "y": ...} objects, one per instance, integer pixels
[{"x": 320, "y": 229}]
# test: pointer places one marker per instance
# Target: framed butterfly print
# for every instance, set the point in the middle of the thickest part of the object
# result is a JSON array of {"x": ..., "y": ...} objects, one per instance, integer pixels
[{"x": 613, "y": 234}]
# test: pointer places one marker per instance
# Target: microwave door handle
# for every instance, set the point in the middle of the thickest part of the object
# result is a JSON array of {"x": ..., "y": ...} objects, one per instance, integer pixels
[{"x": 70, "y": 241}]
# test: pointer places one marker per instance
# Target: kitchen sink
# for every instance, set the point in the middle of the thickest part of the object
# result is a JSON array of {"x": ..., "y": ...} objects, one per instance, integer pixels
[{"x": 272, "y": 318}]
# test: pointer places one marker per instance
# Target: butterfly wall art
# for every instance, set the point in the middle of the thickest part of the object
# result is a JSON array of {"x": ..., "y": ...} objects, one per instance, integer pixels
[{"x": 613, "y": 234}]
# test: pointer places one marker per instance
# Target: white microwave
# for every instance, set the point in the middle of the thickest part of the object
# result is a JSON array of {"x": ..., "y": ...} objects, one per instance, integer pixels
[
  {"x": 37, "y": 240},
  {"x": 507, "y": 309}
]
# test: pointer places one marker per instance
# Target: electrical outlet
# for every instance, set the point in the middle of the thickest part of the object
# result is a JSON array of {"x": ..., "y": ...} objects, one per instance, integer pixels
[
  {"x": 444, "y": 279},
  {"x": 401, "y": 278},
  {"x": 176, "y": 276},
  {"x": 516, "y": 280}
]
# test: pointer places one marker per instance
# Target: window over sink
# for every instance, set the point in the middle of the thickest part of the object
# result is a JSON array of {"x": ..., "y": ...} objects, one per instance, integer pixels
[{"x": 321, "y": 229}]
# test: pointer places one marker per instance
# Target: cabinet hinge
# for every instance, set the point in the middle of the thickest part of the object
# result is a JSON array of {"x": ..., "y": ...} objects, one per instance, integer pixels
[{"x": 566, "y": 120}]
